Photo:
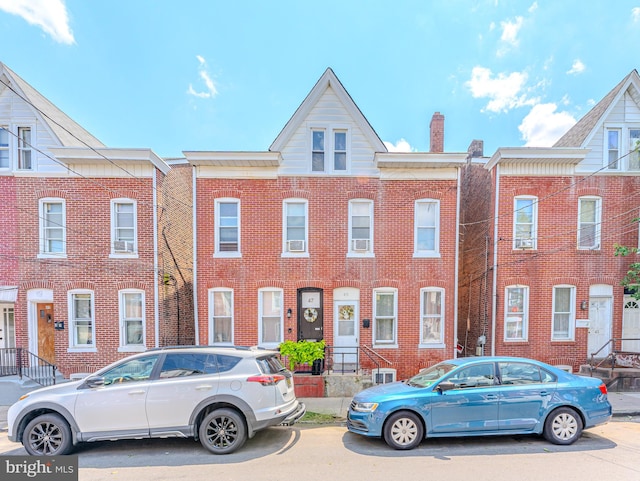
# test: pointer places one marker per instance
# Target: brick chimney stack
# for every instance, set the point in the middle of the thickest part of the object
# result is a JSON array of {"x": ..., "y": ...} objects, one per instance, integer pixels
[{"x": 436, "y": 128}]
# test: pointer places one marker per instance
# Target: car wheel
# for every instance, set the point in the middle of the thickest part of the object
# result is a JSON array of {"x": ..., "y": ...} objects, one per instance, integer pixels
[
  {"x": 403, "y": 430},
  {"x": 563, "y": 426},
  {"x": 47, "y": 435},
  {"x": 222, "y": 431}
]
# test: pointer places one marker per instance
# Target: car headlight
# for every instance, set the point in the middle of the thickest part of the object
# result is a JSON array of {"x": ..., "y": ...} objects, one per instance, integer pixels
[{"x": 365, "y": 407}]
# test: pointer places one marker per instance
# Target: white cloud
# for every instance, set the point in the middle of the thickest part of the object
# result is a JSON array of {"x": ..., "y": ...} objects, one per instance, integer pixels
[
  {"x": 533, "y": 7},
  {"x": 211, "y": 90},
  {"x": 577, "y": 67},
  {"x": 635, "y": 14},
  {"x": 503, "y": 91},
  {"x": 543, "y": 126},
  {"x": 50, "y": 15},
  {"x": 509, "y": 37},
  {"x": 400, "y": 146}
]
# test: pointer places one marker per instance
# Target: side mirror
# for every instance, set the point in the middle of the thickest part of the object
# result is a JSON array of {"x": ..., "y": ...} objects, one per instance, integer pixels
[
  {"x": 445, "y": 386},
  {"x": 94, "y": 381}
]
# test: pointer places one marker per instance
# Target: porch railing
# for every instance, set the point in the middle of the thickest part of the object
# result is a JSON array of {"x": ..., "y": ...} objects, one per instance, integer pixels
[
  {"x": 17, "y": 361},
  {"x": 615, "y": 354}
]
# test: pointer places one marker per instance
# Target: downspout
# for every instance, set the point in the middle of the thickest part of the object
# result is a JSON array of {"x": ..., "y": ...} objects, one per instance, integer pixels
[
  {"x": 156, "y": 289},
  {"x": 195, "y": 256},
  {"x": 457, "y": 267},
  {"x": 494, "y": 287}
]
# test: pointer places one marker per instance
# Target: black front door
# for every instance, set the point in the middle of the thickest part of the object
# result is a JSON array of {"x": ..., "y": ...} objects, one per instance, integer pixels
[{"x": 310, "y": 323}]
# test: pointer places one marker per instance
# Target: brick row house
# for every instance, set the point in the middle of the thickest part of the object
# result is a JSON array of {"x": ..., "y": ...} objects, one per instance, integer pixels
[
  {"x": 83, "y": 224},
  {"x": 327, "y": 235},
  {"x": 547, "y": 284}
]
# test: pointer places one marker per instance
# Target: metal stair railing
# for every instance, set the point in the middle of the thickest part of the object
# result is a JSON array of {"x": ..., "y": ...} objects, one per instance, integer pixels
[
  {"x": 613, "y": 353},
  {"x": 17, "y": 361}
]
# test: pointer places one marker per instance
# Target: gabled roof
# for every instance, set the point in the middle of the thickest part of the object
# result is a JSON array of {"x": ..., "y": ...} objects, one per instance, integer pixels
[
  {"x": 327, "y": 80},
  {"x": 580, "y": 134},
  {"x": 67, "y": 131}
]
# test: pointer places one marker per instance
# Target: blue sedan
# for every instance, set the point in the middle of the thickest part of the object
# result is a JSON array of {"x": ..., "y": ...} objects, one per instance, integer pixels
[{"x": 478, "y": 396}]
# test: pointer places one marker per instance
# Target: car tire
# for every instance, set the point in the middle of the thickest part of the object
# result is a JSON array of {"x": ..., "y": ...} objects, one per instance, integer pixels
[
  {"x": 403, "y": 430},
  {"x": 47, "y": 435},
  {"x": 222, "y": 431},
  {"x": 563, "y": 426}
]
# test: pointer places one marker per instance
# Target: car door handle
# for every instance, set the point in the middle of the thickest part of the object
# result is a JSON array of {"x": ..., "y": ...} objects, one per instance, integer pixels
[
  {"x": 544, "y": 393},
  {"x": 137, "y": 391},
  {"x": 491, "y": 396},
  {"x": 204, "y": 387}
]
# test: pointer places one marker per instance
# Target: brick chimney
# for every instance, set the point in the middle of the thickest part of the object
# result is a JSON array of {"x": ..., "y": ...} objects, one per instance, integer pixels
[{"x": 436, "y": 128}]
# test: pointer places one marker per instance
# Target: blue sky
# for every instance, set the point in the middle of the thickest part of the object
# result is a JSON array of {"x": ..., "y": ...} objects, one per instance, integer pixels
[{"x": 220, "y": 75}]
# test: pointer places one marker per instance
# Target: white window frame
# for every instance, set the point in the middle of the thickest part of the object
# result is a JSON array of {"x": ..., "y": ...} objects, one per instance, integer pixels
[
  {"x": 217, "y": 251},
  {"x": 43, "y": 251},
  {"x": 509, "y": 309},
  {"x": 609, "y": 164},
  {"x": 279, "y": 315},
  {"x": 330, "y": 150},
  {"x": 571, "y": 313},
  {"x": 634, "y": 151},
  {"x": 424, "y": 316},
  {"x": 6, "y": 148},
  {"x": 353, "y": 250},
  {"x": 213, "y": 315},
  {"x": 290, "y": 249},
  {"x": 123, "y": 321},
  {"x": 596, "y": 222},
  {"x": 23, "y": 147},
  {"x": 74, "y": 346},
  {"x": 385, "y": 343},
  {"x": 519, "y": 242},
  {"x": 115, "y": 228},
  {"x": 417, "y": 252}
]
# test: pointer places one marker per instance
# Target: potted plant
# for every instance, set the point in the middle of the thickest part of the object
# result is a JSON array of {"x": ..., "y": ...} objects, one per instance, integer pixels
[{"x": 304, "y": 352}]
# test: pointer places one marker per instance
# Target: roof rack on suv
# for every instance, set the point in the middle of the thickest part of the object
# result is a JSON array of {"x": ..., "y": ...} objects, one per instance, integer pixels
[{"x": 191, "y": 346}]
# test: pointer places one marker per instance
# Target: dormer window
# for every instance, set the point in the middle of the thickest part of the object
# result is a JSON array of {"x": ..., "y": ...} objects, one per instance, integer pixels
[
  {"x": 24, "y": 148},
  {"x": 622, "y": 149},
  {"x": 330, "y": 149}
]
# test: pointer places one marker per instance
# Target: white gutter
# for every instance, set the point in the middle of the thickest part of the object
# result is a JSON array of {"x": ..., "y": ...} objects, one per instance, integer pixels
[
  {"x": 457, "y": 264},
  {"x": 195, "y": 257},
  {"x": 494, "y": 294},
  {"x": 156, "y": 291}
]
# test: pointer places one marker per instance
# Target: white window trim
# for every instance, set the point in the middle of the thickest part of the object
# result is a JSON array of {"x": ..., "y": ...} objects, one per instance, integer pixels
[
  {"x": 605, "y": 147},
  {"x": 393, "y": 344},
  {"x": 217, "y": 251},
  {"x": 270, "y": 345},
  {"x": 285, "y": 245},
  {"x": 71, "y": 324},
  {"x": 41, "y": 214},
  {"x": 134, "y": 253},
  {"x": 329, "y": 130},
  {"x": 7, "y": 149},
  {"x": 212, "y": 341},
  {"x": 123, "y": 334},
  {"x": 350, "y": 251},
  {"x": 426, "y": 253},
  {"x": 572, "y": 314},
  {"x": 597, "y": 222},
  {"x": 432, "y": 345},
  {"x": 525, "y": 320},
  {"x": 31, "y": 147},
  {"x": 534, "y": 226}
]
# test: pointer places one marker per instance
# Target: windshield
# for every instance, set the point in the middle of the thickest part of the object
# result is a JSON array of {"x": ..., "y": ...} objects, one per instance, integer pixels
[{"x": 429, "y": 375}]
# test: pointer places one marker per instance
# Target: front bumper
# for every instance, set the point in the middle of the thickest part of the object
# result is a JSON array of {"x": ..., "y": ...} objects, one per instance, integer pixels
[{"x": 295, "y": 416}]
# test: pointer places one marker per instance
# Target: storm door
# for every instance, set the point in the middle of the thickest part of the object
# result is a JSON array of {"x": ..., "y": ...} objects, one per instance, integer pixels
[{"x": 310, "y": 316}]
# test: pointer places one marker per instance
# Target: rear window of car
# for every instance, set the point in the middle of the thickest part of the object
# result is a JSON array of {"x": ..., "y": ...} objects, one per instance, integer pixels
[
  {"x": 226, "y": 362},
  {"x": 270, "y": 365},
  {"x": 187, "y": 364},
  {"x": 523, "y": 373}
]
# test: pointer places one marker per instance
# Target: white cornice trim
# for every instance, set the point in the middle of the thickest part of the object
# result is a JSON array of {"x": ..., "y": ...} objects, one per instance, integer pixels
[
  {"x": 537, "y": 155},
  {"x": 234, "y": 159}
]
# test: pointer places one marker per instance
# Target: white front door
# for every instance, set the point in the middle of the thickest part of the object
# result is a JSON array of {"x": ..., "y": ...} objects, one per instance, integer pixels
[
  {"x": 345, "y": 334},
  {"x": 631, "y": 324},
  {"x": 599, "y": 326}
]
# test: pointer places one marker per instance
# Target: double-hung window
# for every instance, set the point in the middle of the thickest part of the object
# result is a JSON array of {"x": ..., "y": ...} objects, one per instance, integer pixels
[
  {"x": 612, "y": 159},
  {"x": 525, "y": 222},
  {"x": 330, "y": 149},
  {"x": 132, "y": 331},
  {"x": 24, "y": 148},
  {"x": 385, "y": 315},
  {"x": 53, "y": 230},
  {"x": 432, "y": 317},
  {"x": 589, "y": 216},
  {"x": 221, "y": 309},
  {"x": 123, "y": 226},
  {"x": 270, "y": 319},
  {"x": 516, "y": 313},
  {"x": 634, "y": 150},
  {"x": 426, "y": 228},
  {"x": 227, "y": 227},
  {"x": 81, "y": 320},
  {"x": 295, "y": 222},
  {"x": 4, "y": 147},
  {"x": 361, "y": 227},
  {"x": 563, "y": 313}
]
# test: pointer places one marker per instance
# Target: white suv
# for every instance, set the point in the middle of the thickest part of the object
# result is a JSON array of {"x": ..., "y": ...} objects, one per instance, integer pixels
[{"x": 220, "y": 396}]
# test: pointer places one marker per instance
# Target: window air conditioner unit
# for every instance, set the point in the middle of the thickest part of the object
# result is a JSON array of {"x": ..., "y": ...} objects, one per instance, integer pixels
[
  {"x": 522, "y": 243},
  {"x": 360, "y": 244},
  {"x": 123, "y": 246},
  {"x": 383, "y": 376},
  {"x": 295, "y": 246}
]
